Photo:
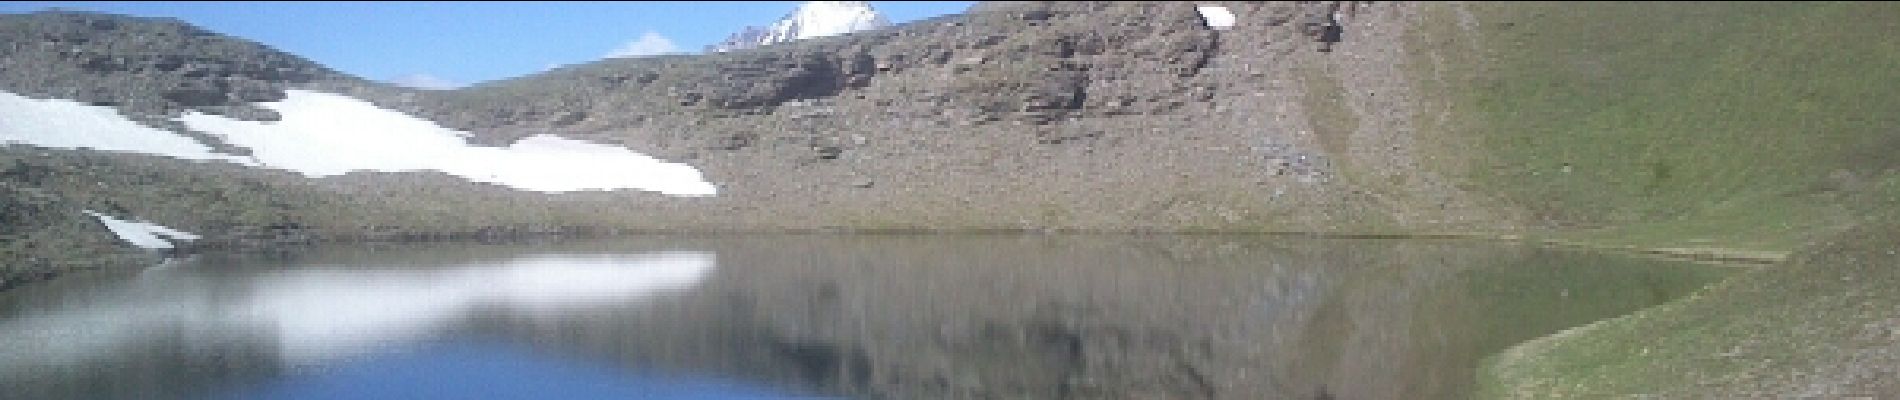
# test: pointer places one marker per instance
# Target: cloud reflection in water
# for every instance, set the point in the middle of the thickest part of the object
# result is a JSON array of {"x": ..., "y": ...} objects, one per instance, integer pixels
[{"x": 319, "y": 313}]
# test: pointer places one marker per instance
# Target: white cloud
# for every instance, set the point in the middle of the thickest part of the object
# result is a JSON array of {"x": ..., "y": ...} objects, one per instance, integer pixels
[
  {"x": 649, "y": 44},
  {"x": 424, "y": 81}
]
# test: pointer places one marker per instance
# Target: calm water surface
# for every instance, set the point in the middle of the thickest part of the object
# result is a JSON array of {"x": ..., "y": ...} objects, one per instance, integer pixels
[{"x": 776, "y": 317}]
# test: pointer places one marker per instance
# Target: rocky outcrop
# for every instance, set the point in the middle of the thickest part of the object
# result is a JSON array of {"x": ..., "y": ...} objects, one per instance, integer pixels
[
  {"x": 150, "y": 69},
  {"x": 147, "y": 67}
]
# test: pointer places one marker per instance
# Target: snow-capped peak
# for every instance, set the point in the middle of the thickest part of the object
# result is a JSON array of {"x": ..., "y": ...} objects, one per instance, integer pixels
[{"x": 810, "y": 20}]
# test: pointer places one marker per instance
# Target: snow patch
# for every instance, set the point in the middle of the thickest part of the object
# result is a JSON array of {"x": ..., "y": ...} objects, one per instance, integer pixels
[
  {"x": 324, "y": 134},
  {"x": 143, "y": 234},
  {"x": 1217, "y": 17},
  {"x": 67, "y": 124}
]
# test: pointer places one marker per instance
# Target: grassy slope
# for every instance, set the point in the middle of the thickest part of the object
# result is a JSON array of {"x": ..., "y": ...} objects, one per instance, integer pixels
[
  {"x": 1737, "y": 125},
  {"x": 1743, "y": 125},
  {"x": 1822, "y": 325}
]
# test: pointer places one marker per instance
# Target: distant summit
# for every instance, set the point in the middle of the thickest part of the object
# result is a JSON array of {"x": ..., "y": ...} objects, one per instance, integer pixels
[{"x": 810, "y": 20}]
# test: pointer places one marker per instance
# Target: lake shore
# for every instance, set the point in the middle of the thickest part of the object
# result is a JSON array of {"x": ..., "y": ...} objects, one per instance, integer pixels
[{"x": 1818, "y": 324}]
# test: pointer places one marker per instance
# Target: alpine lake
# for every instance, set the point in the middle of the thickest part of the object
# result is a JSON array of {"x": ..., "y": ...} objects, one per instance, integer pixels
[{"x": 819, "y": 316}]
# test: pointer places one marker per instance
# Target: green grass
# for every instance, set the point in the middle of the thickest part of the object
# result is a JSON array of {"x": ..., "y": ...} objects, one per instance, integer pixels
[
  {"x": 1764, "y": 332},
  {"x": 1753, "y": 126},
  {"x": 1333, "y": 119},
  {"x": 1738, "y": 122}
]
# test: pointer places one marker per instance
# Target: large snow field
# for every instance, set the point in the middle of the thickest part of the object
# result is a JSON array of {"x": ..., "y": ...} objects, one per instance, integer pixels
[{"x": 324, "y": 134}]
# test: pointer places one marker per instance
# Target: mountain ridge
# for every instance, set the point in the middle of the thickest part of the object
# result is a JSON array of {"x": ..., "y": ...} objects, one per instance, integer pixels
[{"x": 811, "y": 19}]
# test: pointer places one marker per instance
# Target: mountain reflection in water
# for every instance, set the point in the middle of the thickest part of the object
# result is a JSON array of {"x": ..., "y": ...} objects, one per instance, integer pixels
[{"x": 1106, "y": 316}]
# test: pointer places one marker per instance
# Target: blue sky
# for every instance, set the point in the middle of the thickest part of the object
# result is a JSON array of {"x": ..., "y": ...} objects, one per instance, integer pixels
[{"x": 466, "y": 42}]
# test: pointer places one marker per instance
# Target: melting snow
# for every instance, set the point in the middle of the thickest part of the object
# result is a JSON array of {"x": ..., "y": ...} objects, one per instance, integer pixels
[
  {"x": 1217, "y": 17},
  {"x": 67, "y": 124},
  {"x": 323, "y": 134},
  {"x": 142, "y": 234}
]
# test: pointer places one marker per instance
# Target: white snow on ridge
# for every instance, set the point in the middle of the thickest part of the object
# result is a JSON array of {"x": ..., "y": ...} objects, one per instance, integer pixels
[
  {"x": 811, "y": 19},
  {"x": 67, "y": 124},
  {"x": 143, "y": 234},
  {"x": 831, "y": 18},
  {"x": 1217, "y": 17},
  {"x": 324, "y": 134}
]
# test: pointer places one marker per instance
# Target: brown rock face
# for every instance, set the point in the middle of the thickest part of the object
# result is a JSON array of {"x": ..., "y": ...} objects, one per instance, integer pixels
[{"x": 1037, "y": 115}]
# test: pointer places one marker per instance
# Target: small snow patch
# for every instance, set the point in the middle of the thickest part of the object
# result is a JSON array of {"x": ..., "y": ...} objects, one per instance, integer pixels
[
  {"x": 1217, "y": 17},
  {"x": 143, "y": 234}
]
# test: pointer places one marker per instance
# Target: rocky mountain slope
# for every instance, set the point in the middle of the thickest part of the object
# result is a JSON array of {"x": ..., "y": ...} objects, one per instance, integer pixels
[
  {"x": 810, "y": 20},
  {"x": 1016, "y": 116},
  {"x": 1093, "y": 116}
]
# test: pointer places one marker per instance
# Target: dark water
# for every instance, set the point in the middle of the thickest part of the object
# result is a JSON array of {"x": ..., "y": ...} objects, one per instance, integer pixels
[{"x": 772, "y": 317}]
